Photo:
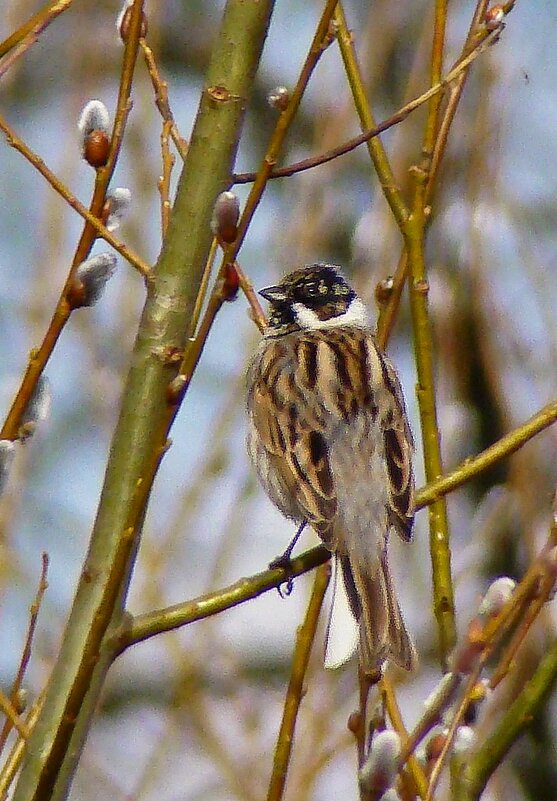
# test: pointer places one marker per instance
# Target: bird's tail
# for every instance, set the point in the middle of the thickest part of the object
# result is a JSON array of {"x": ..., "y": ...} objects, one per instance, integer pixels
[{"x": 382, "y": 631}]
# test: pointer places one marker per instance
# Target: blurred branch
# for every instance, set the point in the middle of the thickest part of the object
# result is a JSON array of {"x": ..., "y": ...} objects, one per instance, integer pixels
[
  {"x": 296, "y": 690},
  {"x": 140, "y": 438},
  {"x": 28, "y": 33},
  {"x": 26, "y": 654},
  {"x": 479, "y": 766}
]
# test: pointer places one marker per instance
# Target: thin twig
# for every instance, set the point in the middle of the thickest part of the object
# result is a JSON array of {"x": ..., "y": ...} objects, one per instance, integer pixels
[
  {"x": 356, "y": 141},
  {"x": 11, "y": 715},
  {"x": 28, "y": 33},
  {"x": 15, "y": 757},
  {"x": 168, "y": 160},
  {"x": 101, "y": 230},
  {"x": 281, "y": 129},
  {"x": 295, "y": 691},
  {"x": 161, "y": 99},
  {"x": 456, "y": 720},
  {"x": 26, "y": 654},
  {"x": 431, "y": 716},
  {"x": 377, "y": 152},
  {"x": 92, "y": 228},
  {"x": 479, "y": 766}
]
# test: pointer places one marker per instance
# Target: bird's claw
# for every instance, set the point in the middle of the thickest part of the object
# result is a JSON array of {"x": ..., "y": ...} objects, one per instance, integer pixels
[
  {"x": 284, "y": 590},
  {"x": 283, "y": 562}
]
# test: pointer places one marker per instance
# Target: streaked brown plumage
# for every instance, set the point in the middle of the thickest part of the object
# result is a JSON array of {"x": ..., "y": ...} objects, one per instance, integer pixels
[{"x": 329, "y": 438}]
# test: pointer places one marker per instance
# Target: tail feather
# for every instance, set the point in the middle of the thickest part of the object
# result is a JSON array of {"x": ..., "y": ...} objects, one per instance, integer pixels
[
  {"x": 342, "y": 635},
  {"x": 383, "y": 633}
]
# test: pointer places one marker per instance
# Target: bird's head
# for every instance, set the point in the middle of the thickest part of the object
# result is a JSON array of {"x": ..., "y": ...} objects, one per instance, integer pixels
[{"x": 313, "y": 297}]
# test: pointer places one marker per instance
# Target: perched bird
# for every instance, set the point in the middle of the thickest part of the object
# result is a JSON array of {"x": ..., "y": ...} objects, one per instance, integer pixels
[{"x": 329, "y": 438}]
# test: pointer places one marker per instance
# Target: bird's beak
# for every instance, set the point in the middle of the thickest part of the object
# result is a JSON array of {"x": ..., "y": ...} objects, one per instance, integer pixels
[{"x": 274, "y": 294}]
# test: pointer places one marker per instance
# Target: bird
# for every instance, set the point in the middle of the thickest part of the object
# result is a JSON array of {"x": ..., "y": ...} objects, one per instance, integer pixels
[{"x": 329, "y": 438}]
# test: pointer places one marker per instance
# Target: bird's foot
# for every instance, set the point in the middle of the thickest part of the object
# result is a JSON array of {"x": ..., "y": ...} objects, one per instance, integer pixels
[{"x": 284, "y": 562}]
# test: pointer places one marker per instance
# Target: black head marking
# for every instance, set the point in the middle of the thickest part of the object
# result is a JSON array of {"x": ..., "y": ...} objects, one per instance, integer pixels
[{"x": 318, "y": 287}]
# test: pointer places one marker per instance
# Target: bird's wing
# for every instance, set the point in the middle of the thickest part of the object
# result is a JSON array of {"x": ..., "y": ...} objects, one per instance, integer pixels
[
  {"x": 399, "y": 448},
  {"x": 306, "y": 393},
  {"x": 289, "y": 426}
]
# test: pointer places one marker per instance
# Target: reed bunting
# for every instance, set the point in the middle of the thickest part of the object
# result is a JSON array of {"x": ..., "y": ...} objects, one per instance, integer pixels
[{"x": 329, "y": 438}]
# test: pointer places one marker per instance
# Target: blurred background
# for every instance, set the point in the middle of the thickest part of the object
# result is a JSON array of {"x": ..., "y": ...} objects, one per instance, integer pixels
[{"x": 194, "y": 714}]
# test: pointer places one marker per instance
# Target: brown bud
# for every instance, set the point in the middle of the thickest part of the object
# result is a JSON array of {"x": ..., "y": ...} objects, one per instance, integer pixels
[
  {"x": 494, "y": 17},
  {"x": 384, "y": 290},
  {"x": 20, "y": 700},
  {"x": 278, "y": 98},
  {"x": 175, "y": 389},
  {"x": 226, "y": 213},
  {"x": 231, "y": 282},
  {"x": 94, "y": 127},
  {"x": 96, "y": 146},
  {"x": 434, "y": 746},
  {"x": 354, "y": 723},
  {"x": 123, "y": 23},
  {"x": 466, "y": 655},
  {"x": 76, "y": 294}
]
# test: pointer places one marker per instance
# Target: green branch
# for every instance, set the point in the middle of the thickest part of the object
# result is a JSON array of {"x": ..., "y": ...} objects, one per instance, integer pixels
[
  {"x": 172, "y": 617},
  {"x": 296, "y": 689},
  {"x": 139, "y": 440},
  {"x": 476, "y": 770}
]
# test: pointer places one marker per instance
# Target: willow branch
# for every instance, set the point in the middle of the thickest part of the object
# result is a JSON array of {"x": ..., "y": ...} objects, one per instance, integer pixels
[
  {"x": 479, "y": 766},
  {"x": 295, "y": 691},
  {"x": 376, "y": 150},
  {"x": 390, "y": 122},
  {"x": 41, "y": 355},
  {"x": 140, "y": 438},
  {"x": 26, "y": 654},
  {"x": 28, "y": 33},
  {"x": 96, "y": 224},
  {"x": 141, "y": 627}
]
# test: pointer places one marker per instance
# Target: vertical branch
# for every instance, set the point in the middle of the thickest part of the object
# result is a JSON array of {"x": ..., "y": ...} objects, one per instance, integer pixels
[
  {"x": 423, "y": 345},
  {"x": 294, "y": 694},
  {"x": 140, "y": 437},
  {"x": 443, "y": 597},
  {"x": 367, "y": 119}
]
